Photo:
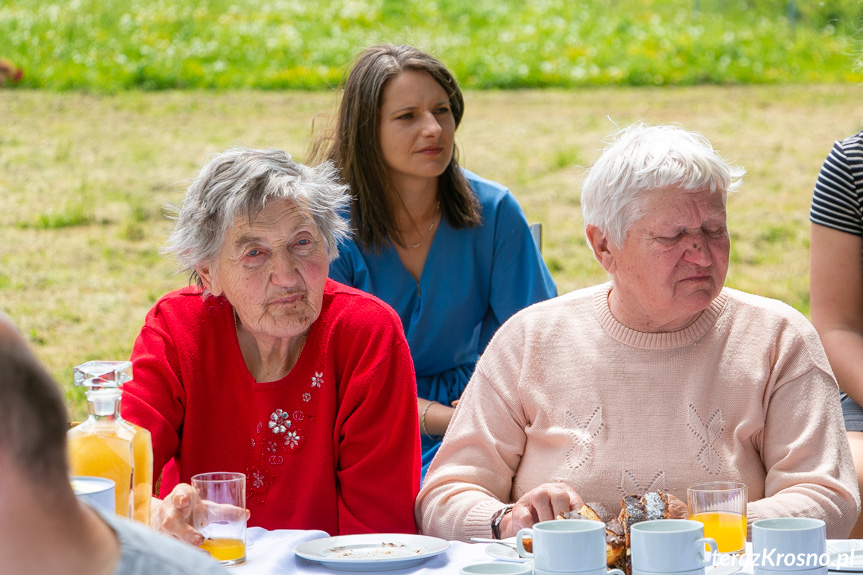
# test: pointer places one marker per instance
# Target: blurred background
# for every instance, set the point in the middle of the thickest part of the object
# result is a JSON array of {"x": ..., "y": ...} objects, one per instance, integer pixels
[
  {"x": 111, "y": 45},
  {"x": 109, "y": 107}
]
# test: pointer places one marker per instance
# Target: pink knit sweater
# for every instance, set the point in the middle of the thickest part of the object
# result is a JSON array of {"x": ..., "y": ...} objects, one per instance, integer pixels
[{"x": 566, "y": 393}]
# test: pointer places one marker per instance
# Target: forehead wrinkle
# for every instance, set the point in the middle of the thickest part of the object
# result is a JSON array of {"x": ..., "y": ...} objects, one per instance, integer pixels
[
  {"x": 251, "y": 237},
  {"x": 246, "y": 239},
  {"x": 711, "y": 206}
]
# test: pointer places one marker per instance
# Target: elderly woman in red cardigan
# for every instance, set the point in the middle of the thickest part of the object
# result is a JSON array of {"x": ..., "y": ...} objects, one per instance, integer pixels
[{"x": 267, "y": 367}]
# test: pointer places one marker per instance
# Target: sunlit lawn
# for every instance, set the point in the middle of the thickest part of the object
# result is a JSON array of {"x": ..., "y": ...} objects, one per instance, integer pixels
[{"x": 83, "y": 181}]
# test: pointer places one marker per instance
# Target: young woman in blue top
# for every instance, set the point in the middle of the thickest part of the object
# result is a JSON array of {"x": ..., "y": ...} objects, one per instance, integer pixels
[{"x": 450, "y": 251}]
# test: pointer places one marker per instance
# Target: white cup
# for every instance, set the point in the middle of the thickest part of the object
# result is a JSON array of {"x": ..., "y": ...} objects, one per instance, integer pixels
[
  {"x": 497, "y": 568},
  {"x": 97, "y": 491},
  {"x": 669, "y": 546},
  {"x": 600, "y": 571},
  {"x": 566, "y": 546},
  {"x": 787, "y": 545}
]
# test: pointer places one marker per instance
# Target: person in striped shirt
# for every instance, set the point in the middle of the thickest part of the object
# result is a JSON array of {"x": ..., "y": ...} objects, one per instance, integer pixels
[{"x": 836, "y": 281}]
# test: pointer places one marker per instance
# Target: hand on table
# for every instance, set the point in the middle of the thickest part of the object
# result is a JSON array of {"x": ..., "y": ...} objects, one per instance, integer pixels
[
  {"x": 182, "y": 513},
  {"x": 541, "y": 503}
]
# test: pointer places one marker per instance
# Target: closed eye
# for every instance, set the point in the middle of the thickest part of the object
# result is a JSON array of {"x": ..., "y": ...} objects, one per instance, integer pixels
[{"x": 669, "y": 240}]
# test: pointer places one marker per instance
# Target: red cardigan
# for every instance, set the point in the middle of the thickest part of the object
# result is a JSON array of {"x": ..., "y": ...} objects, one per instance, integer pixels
[{"x": 334, "y": 445}]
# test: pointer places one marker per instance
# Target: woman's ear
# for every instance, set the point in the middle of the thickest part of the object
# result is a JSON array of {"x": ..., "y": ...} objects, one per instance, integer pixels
[
  {"x": 601, "y": 246},
  {"x": 205, "y": 272}
]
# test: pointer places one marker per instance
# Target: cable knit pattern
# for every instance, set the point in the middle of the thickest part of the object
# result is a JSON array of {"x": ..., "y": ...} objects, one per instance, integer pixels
[{"x": 565, "y": 392}]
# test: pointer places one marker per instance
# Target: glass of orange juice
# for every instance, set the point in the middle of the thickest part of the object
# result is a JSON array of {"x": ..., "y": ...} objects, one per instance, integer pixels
[
  {"x": 721, "y": 507},
  {"x": 224, "y": 529}
]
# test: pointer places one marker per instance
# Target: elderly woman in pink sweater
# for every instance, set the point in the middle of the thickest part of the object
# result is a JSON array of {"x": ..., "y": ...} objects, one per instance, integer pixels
[{"x": 657, "y": 380}]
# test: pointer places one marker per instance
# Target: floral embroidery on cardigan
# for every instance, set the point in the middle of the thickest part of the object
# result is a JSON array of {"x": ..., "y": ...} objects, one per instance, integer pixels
[
  {"x": 583, "y": 435},
  {"x": 708, "y": 434},
  {"x": 276, "y": 438}
]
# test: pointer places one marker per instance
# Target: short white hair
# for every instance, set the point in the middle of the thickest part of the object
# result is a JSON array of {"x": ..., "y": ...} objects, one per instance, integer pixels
[
  {"x": 640, "y": 158},
  {"x": 241, "y": 181}
]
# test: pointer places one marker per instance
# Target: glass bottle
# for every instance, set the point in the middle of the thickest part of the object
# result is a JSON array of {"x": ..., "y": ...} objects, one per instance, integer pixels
[{"x": 106, "y": 445}]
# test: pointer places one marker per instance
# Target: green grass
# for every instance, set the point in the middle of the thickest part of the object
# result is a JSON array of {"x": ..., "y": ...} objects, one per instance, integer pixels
[
  {"x": 123, "y": 100},
  {"x": 109, "y": 164},
  {"x": 108, "y": 46}
]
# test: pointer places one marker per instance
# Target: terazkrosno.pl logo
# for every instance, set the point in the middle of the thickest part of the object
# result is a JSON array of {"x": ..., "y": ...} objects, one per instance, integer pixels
[{"x": 772, "y": 559}]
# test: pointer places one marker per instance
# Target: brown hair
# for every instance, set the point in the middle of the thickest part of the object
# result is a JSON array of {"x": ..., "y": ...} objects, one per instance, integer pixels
[
  {"x": 353, "y": 144},
  {"x": 33, "y": 416}
]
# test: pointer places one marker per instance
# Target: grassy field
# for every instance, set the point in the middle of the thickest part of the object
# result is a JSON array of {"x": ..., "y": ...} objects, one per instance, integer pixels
[
  {"x": 112, "y": 46},
  {"x": 84, "y": 179}
]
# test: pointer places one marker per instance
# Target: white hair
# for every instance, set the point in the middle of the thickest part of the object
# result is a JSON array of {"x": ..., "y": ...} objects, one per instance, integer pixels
[
  {"x": 640, "y": 158},
  {"x": 239, "y": 182}
]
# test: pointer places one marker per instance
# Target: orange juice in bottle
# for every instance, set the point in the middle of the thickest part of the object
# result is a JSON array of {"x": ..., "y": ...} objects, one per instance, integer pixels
[
  {"x": 103, "y": 451},
  {"x": 142, "y": 476},
  {"x": 107, "y": 446}
]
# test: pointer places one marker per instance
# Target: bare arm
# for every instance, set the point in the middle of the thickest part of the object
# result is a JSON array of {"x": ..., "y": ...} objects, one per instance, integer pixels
[
  {"x": 836, "y": 294},
  {"x": 437, "y": 416}
]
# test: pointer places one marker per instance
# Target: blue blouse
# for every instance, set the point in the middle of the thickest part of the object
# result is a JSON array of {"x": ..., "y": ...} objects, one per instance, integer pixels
[{"x": 473, "y": 280}]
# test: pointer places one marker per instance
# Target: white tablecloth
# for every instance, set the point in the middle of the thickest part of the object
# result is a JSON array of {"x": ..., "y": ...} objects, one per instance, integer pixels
[{"x": 272, "y": 553}]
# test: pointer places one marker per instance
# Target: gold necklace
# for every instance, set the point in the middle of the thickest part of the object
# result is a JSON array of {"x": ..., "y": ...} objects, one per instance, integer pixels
[{"x": 428, "y": 231}]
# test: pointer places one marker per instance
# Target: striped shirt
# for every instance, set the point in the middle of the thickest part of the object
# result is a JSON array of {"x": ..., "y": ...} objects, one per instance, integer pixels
[{"x": 838, "y": 198}]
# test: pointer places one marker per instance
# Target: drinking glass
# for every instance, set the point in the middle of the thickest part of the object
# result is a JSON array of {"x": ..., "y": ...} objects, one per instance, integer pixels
[
  {"x": 224, "y": 529},
  {"x": 721, "y": 507}
]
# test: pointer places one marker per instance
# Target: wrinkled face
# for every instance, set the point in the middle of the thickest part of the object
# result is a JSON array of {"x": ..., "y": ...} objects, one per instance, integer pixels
[
  {"x": 272, "y": 269},
  {"x": 673, "y": 261},
  {"x": 416, "y": 127}
]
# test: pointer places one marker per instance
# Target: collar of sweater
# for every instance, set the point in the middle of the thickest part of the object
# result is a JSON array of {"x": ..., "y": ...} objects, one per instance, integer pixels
[{"x": 656, "y": 340}]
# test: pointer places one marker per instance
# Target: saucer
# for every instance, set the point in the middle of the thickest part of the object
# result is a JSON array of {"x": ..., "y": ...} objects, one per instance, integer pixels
[
  {"x": 846, "y": 556},
  {"x": 497, "y": 568},
  {"x": 505, "y": 552}
]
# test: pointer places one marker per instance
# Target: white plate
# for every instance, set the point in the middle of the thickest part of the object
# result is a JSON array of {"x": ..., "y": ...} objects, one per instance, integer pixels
[
  {"x": 505, "y": 552},
  {"x": 371, "y": 552},
  {"x": 846, "y": 556}
]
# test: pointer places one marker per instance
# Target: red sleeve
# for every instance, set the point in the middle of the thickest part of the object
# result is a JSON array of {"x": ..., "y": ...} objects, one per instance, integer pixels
[
  {"x": 377, "y": 434},
  {"x": 155, "y": 398}
]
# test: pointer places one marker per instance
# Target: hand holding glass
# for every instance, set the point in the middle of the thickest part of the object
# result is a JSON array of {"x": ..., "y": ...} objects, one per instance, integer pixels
[
  {"x": 721, "y": 507},
  {"x": 224, "y": 527}
]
